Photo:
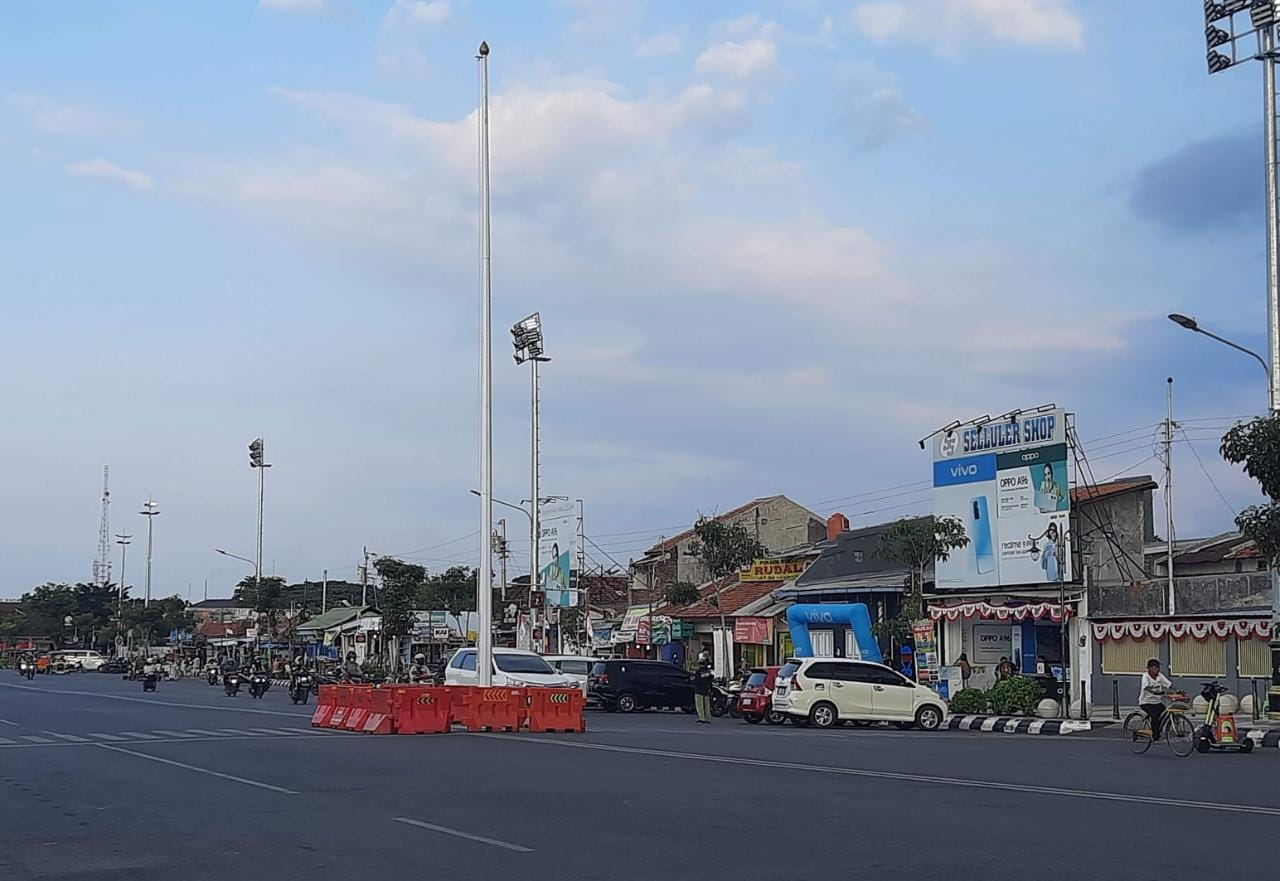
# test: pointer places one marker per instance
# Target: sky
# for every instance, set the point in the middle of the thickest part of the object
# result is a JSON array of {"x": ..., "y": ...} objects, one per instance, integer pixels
[{"x": 772, "y": 246}]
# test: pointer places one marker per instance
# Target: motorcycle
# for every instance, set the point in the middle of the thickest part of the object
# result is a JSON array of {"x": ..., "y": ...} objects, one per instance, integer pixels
[
  {"x": 149, "y": 680},
  {"x": 231, "y": 684},
  {"x": 258, "y": 684},
  {"x": 724, "y": 699},
  {"x": 300, "y": 688},
  {"x": 212, "y": 675},
  {"x": 27, "y": 670}
]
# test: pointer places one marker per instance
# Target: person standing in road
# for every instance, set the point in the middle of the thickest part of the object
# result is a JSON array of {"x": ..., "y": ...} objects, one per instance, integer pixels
[{"x": 702, "y": 678}]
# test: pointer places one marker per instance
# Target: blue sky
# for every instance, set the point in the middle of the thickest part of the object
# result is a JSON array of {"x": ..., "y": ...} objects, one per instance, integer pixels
[{"x": 772, "y": 245}]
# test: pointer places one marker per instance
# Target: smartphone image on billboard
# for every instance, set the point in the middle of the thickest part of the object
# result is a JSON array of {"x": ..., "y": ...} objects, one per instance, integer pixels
[{"x": 983, "y": 555}]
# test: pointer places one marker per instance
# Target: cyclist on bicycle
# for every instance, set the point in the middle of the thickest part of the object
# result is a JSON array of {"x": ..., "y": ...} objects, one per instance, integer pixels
[{"x": 1153, "y": 690}]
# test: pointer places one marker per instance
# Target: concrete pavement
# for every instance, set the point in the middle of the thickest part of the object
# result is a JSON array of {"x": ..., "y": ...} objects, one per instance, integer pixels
[{"x": 98, "y": 780}]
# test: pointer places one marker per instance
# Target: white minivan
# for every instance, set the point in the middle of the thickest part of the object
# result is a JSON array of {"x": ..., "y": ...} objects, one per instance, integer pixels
[
  {"x": 84, "y": 659},
  {"x": 826, "y": 691},
  {"x": 576, "y": 667},
  {"x": 511, "y": 667}
]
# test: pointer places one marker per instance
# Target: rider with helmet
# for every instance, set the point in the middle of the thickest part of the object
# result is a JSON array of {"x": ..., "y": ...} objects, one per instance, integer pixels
[{"x": 419, "y": 673}]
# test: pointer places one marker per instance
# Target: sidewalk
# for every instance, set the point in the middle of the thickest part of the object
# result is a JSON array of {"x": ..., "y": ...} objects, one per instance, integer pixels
[{"x": 1263, "y": 732}]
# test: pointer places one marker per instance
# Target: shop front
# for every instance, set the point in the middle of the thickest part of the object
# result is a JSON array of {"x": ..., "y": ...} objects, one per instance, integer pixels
[{"x": 1027, "y": 634}]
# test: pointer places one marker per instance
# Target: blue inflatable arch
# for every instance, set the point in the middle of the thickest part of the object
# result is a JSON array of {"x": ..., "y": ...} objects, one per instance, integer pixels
[{"x": 828, "y": 616}]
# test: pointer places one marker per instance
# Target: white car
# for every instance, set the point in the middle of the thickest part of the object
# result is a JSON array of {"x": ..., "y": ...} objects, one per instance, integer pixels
[
  {"x": 85, "y": 660},
  {"x": 826, "y": 691},
  {"x": 576, "y": 667},
  {"x": 511, "y": 667}
]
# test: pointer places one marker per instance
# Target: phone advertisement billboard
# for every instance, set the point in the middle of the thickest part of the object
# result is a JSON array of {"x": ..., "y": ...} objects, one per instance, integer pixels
[
  {"x": 557, "y": 544},
  {"x": 1006, "y": 482}
]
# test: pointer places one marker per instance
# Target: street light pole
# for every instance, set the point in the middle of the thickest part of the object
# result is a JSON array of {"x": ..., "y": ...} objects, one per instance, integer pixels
[
  {"x": 150, "y": 508},
  {"x": 526, "y": 336},
  {"x": 484, "y": 580},
  {"x": 122, "y": 539}
]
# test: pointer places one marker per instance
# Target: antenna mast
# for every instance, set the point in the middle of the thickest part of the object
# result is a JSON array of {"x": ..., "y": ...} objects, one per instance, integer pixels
[{"x": 102, "y": 565}]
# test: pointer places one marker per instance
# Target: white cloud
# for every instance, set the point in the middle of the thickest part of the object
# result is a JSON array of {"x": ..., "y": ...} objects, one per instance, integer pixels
[
  {"x": 420, "y": 12},
  {"x": 754, "y": 59},
  {"x": 293, "y": 5},
  {"x": 947, "y": 24},
  {"x": 875, "y": 111},
  {"x": 47, "y": 116},
  {"x": 105, "y": 169},
  {"x": 663, "y": 44}
]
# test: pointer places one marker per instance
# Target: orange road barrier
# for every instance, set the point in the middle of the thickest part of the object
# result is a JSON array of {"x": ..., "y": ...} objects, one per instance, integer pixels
[
  {"x": 489, "y": 709},
  {"x": 344, "y": 704},
  {"x": 556, "y": 709},
  {"x": 381, "y": 716},
  {"x": 421, "y": 709},
  {"x": 358, "y": 711},
  {"x": 326, "y": 701}
]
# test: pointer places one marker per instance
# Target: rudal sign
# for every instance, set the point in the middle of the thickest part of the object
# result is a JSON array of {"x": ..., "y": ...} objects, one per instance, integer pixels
[{"x": 772, "y": 570}]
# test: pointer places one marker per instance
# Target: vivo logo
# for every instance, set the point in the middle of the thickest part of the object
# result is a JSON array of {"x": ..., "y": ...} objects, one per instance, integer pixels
[
  {"x": 964, "y": 470},
  {"x": 824, "y": 617}
]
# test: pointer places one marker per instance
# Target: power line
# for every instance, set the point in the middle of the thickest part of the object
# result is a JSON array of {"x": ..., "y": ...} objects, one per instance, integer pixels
[{"x": 1213, "y": 483}]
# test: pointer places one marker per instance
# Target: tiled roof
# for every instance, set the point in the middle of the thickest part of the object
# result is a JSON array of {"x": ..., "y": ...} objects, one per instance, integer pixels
[
  {"x": 229, "y": 603},
  {"x": 1114, "y": 488},
  {"x": 670, "y": 543},
  {"x": 218, "y": 630},
  {"x": 734, "y": 595}
]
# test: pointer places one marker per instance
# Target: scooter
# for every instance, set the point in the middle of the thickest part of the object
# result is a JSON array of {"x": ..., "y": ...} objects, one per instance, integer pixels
[
  {"x": 149, "y": 680},
  {"x": 258, "y": 684},
  {"x": 27, "y": 670},
  {"x": 1219, "y": 729},
  {"x": 212, "y": 675},
  {"x": 231, "y": 684}
]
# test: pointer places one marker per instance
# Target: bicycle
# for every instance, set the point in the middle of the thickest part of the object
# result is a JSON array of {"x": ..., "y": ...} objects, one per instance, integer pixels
[{"x": 1175, "y": 728}]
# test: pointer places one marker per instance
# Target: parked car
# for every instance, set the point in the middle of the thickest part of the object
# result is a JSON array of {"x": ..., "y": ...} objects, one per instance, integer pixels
[
  {"x": 755, "y": 703},
  {"x": 115, "y": 665},
  {"x": 511, "y": 667},
  {"x": 576, "y": 667},
  {"x": 826, "y": 691},
  {"x": 626, "y": 684},
  {"x": 84, "y": 659}
]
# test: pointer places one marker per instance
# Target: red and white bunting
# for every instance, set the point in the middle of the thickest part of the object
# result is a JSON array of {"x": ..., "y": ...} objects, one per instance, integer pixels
[
  {"x": 1037, "y": 611},
  {"x": 1243, "y": 628}
]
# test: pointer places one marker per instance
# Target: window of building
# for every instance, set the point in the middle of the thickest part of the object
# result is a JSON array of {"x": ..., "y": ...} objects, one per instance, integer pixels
[
  {"x": 1190, "y": 657},
  {"x": 1128, "y": 655},
  {"x": 1253, "y": 658},
  {"x": 857, "y": 556}
]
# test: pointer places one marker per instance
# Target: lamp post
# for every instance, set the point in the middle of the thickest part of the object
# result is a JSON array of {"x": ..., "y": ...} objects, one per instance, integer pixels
[
  {"x": 1194, "y": 326},
  {"x": 150, "y": 509},
  {"x": 526, "y": 336},
  {"x": 1237, "y": 31},
  {"x": 484, "y": 581}
]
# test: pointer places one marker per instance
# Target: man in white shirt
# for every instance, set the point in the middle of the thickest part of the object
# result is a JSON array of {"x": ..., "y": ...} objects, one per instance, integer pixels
[{"x": 1153, "y": 689}]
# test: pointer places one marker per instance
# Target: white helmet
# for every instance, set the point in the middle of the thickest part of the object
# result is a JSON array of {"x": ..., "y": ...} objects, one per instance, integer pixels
[{"x": 421, "y": 658}]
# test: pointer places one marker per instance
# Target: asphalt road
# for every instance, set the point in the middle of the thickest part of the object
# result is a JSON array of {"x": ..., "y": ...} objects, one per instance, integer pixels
[{"x": 98, "y": 780}]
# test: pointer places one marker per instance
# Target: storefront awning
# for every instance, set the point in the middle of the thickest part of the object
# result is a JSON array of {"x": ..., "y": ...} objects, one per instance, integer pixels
[
  {"x": 1037, "y": 611},
  {"x": 1243, "y": 628}
]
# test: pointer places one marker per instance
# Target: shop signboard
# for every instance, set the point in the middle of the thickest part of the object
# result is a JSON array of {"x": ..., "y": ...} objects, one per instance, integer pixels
[
  {"x": 991, "y": 642},
  {"x": 926, "y": 650},
  {"x": 1006, "y": 482},
  {"x": 753, "y": 630},
  {"x": 557, "y": 540},
  {"x": 772, "y": 570}
]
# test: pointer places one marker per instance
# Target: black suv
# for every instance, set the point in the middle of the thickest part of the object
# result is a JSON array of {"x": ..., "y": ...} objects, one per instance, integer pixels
[{"x": 625, "y": 685}]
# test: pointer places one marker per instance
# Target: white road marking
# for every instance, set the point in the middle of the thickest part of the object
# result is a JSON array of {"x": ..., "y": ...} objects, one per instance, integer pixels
[
  {"x": 278, "y": 732},
  {"x": 33, "y": 739},
  {"x": 1094, "y": 795},
  {"x": 7, "y": 722},
  {"x": 138, "y": 735},
  {"x": 206, "y": 733},
  {"x": 68, "y": 737},
  {"x": 247, "y": 782},
  {"x": 159, "y": 703},
  {"x": 107, "y": 736},
  {"x": 178, "y": 734},
  {"x": 458, "y": 833},
  {"x": 5, "y": 740},
  {"x": 247, "y": 732}
]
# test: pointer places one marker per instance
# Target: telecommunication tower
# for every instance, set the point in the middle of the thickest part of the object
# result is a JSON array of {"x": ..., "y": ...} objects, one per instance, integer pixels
[{"x": 102, "y": 565}]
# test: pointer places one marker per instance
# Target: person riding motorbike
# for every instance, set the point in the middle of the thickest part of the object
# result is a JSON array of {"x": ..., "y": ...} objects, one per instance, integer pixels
[
  {"x": 351, "y": 670},
  {"x": 419, "y": 673}
]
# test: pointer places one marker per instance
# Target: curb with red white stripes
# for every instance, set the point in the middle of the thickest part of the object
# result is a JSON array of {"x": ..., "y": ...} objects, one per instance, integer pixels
[{"x": 1022, "y": 725}]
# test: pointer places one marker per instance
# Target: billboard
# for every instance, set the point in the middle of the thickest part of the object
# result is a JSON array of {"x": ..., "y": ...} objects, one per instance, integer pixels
[
  {"x": 772, "y": 570},
  {"x": 557, "y": 544},
  {"x": 1006, "y": 482}
]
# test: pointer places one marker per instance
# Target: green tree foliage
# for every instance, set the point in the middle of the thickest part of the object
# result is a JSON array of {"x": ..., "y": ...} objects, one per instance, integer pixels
[
  {"x": 403, "y": 591},
  {"x": 45, "y": 612},
  {"x": 1256, "y": 446},
  {"x": 723, "y": 548},
  {"x": 917, "y": 543},
  {"x": 454, "y": 591},
  {"x": 265, "y": 598},
  {"x": 681, "y": 593}
]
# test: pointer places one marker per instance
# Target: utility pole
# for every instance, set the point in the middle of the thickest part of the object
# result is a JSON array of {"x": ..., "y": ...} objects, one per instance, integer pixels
[
  {"x": 1168, "y": 490},
  {"x": 324, "y": 591},
  {"x": 122, "y": 539},
  {"x": 500, "y": 538},
  {"x": 364, "y": 578},
  {"x": 150, "y": 508},
  {"x": 484, "y": 578}
]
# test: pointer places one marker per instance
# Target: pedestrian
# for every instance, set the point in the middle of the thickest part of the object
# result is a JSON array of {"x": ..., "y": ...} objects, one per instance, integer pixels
[
  {"x": 1004, "y": 670},
  {"x": 966, "y": 669},
  {"x": 907, "y": 668},
  {"x": 702, "y": 679}
]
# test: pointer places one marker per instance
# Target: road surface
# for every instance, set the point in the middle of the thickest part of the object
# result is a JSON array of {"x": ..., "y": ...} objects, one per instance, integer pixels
[{"x": 98, "y": 780}]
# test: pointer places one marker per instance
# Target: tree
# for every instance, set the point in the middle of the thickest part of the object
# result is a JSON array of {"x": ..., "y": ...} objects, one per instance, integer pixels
[
  {"x": 403, "y": 590},
  {"x": 723, "y": 548},
  {"x": 917, "y": 543},
  {"x": 682, "y": 593},
  {"x": 454, "y": 591},
  {"x": 1256, "y": 446},
  {"x": 265, "y": 597},
  {"x": 153, "y": 624}
]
